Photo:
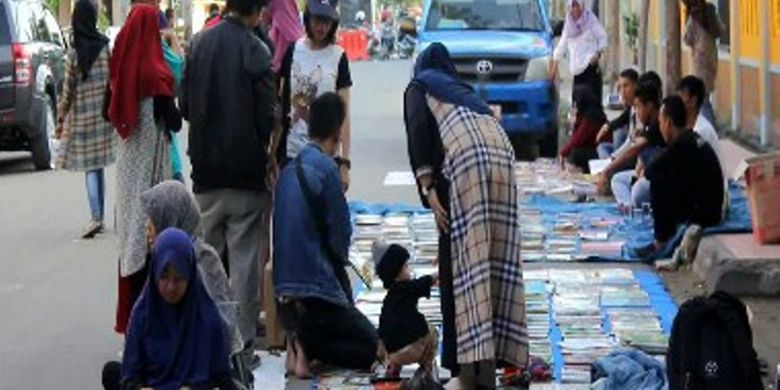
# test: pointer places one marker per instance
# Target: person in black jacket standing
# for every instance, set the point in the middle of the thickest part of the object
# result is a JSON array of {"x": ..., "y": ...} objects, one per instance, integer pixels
[{"x": 227, "y": 95}]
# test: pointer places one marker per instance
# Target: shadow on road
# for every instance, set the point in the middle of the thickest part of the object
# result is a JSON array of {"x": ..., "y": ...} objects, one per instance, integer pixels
[{"x": 15, "y": 163}]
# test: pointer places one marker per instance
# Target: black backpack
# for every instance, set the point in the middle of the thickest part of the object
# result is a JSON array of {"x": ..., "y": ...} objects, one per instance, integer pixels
[{"x": 711, "y": 346}]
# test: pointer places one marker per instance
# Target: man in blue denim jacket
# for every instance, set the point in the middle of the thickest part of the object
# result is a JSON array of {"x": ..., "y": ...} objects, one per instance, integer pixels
[{"x": 311, "y": 245}]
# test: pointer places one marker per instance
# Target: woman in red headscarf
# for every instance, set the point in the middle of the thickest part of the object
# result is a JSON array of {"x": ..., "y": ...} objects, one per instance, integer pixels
[{"x": 143, "y": 111}]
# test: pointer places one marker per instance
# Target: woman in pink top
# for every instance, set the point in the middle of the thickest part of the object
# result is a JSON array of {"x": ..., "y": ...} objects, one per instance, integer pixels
[{"x": 286, "y": 27}]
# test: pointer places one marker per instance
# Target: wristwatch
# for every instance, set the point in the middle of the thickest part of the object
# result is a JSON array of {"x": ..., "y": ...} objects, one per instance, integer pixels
[{"x": 341, "y": 161}]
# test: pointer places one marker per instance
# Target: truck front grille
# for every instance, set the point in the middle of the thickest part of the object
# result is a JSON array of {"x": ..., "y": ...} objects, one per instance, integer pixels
[{"x": 503, "y": 70}]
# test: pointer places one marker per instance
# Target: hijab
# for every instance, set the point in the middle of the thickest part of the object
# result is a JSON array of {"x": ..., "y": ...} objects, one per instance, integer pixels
[
  {"x": 170, "y": 204},
  {"x": 435, "y": 73},
  {"x": 170, "y": 346},
  {"x": 138, "y": 70},
  {"x": 586, "y": 21},
  {"x": 286, "y": 27},
  {"x": 588, "y": 105},
  {"x": 87, "y": 41}
]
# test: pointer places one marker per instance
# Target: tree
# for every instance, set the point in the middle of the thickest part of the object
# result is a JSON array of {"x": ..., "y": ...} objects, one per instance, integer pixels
[
  {"x": 644, "y": 17},
  {"x": 631, "y": 23},
  {"x": 673, "y": 46}
]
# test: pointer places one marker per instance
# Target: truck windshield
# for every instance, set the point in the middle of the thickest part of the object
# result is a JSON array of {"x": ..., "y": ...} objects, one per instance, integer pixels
[
  {"x": 519, "y": 15},
  {"x": 5, "y": 33}
]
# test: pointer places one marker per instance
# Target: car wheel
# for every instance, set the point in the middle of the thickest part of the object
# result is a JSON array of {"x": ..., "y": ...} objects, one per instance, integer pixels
[{"x": 42, "y": 145}]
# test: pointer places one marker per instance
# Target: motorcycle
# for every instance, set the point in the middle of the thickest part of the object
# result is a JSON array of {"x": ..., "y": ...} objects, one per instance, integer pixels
[
  {"x": 387, "y": 41},
  {"x": 406, "y": 45}
]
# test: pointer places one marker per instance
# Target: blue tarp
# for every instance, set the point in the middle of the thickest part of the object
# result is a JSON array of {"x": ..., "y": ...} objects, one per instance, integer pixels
[
  {"x": 636, "y": 232},
  {"x": 662, "y": 303}
]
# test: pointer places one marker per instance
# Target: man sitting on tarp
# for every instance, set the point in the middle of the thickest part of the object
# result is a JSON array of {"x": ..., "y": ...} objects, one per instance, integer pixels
[
  {"x": 686, "y": 180},
  {"x": 630, "y": 187},
  {"x": 623, "y": 128}
]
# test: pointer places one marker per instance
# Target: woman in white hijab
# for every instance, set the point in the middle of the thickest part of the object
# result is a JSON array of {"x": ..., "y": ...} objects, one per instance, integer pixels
[{"x": 583, "y": 40}]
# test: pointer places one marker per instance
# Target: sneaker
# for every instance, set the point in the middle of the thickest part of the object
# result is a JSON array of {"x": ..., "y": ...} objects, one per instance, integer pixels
[{"x": 92, "y": 229}]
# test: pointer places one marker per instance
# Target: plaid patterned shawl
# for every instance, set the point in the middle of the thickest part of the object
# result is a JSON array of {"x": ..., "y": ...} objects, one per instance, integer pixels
[{"x": 487, "y": 269}]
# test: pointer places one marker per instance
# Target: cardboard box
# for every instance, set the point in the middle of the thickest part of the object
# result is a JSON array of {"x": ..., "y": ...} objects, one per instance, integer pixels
[
  {"x": 274, "y": 332},
  {"x": 762, "y": 174}
]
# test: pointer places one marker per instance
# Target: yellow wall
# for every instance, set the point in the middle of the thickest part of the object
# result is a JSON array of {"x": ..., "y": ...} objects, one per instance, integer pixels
[
  {"x": 750, "y": 31},
  {"x": 750, "y": 114},
  {"x": 723, "y": 92},
  {"x": 774, "y": 32},
  {"x": 654, "y": 21}
]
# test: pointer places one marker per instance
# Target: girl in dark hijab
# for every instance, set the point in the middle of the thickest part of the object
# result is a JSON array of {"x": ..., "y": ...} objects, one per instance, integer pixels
[
  {"x": 588, "y": 120},
  {"x": 176, "y": 336}
]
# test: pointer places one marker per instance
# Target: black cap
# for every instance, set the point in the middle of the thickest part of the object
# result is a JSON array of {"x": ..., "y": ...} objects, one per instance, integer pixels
[
  {"x": 389, "y": 260},
  {"x": 326, "y": 8}
]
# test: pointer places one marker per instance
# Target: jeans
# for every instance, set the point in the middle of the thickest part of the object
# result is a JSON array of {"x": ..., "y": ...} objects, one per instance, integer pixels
[
  {"x": 96, "y": 193},
  {"x": 605, "y": 149},
  {"x": 627, "y": 194}
]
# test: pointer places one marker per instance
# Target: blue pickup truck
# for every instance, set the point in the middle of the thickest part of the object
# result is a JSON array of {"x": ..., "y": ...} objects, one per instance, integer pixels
[{"x": 503, "y": 48}]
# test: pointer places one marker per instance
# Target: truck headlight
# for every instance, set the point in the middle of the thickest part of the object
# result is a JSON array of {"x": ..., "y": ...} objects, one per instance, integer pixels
[{"x": 538, "y": 69}]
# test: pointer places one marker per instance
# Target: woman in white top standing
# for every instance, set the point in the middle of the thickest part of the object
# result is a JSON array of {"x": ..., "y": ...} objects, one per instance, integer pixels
[
  {"x": 583, "y": 40},
  {"x": 312, "y": 66}
]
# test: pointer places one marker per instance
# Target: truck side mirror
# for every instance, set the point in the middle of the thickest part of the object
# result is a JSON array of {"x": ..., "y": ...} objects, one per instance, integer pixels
[{"x": 557, "y": 27}]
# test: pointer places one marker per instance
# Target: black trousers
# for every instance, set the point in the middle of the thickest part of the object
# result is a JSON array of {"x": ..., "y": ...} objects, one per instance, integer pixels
[
  {"x": 592, "y": 79},
  {"x": 449, "y": 356},
  {"x": 673, "y": 206},
  {"x": 332, "y": 334},
  {"x": 580, "y": 157}
]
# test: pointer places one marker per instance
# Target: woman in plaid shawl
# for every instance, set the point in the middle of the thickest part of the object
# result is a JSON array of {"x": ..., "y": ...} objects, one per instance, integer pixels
[
  {"x": 88, "y": 139},
  {"x": 464, "y": 163}
]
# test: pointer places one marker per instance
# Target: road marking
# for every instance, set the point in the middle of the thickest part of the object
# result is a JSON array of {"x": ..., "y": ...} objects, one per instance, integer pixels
[{"x": 399, "y": 179}]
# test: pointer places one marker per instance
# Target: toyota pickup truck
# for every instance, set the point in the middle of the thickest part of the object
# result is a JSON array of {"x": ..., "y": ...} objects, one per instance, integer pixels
[{"x": 503, "y": 49}]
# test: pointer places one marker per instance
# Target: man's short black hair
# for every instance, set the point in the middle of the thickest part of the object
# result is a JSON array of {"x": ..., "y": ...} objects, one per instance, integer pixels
[
  {"x": 214, "y": 8},
  {"x": 648, "y": 92},
  {"x": 330, "y": 39},
  {"x": 652, "y": 77},
  {"x": 674, "y": 109},
  {"x": 630, "y": 75},
  {"x": 695, "y": 87},
  {"x": 326, "y": 115},
  {"x": 245, "y": 7}
]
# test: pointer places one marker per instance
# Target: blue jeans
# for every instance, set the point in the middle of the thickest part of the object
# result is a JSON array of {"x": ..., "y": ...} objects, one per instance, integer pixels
[
  {"x": 605, "y": 149},
  {"x": 96, "y": 192},
  {"x": 630, "y": 195}
]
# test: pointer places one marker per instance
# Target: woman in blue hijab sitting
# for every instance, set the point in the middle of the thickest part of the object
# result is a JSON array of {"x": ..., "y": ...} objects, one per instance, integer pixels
[
  {"x": 464, "y": 165},
  {"x": 177, "y": 338}
]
